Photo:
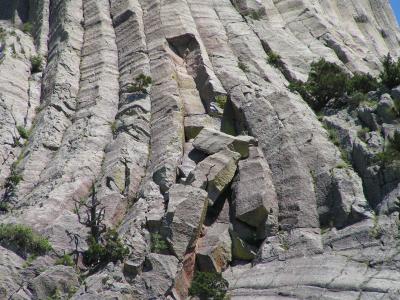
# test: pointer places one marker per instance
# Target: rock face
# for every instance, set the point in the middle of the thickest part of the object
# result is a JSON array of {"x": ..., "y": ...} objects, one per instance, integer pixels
[{"x": 215, "y": 165}]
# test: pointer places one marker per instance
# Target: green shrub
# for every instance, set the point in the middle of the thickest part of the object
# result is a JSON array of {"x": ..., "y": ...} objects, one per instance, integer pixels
[
  {"x": 158, "y": 244},
  {"x": 242, "y": 66},
  {"x": 27, "y": 28},
  {"x": 326, "y": 81},
  {"x": 274, "y": 59},
  {"x": 333, "y": 136},
  {"x": 207, "y": 285},
  {"x": 221, "y": 100},
  {"x": 14, "y": 178},
  {"x": 362, "y": 83},
  {"x": 23, "y": 240},
  {"x": 357, "y": 98},
  {"x": 142, "y": 82},
  {"x": 23, "y": 132},
  {"x": 255, "y": 15},
  {"x": 36, "y": 63},
  {"x": 65, "y": 260},
  {"x": 390, "y": 75},
  {"x": 112, "y": 250},
  {"x": 4, "y": 206}
]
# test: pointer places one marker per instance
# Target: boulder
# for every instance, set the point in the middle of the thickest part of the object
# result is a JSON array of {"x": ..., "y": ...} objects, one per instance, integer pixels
[
  {"x": 254, "y": 192},
  {"x": 215, "y": 173},
  {"x": 191, "y": 157},
  {"x": 195, "y": 123},
  {"x": 212, "y": 141},
  {"x": 386, "y": 109},
  {"x": 61, "y": 280},
  {"x": 161, "y": 274},
  {"x": 215, "y": 249},
  {"x": 349, "y": 203},
  {"x": 395, "y": 93},
  {"x": 240, "y": 249},
  {"x": 187, "y": 207}
]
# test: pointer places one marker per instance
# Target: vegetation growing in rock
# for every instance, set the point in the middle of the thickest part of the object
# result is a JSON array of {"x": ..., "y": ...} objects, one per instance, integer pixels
[
  {"x": 23, "y": 132},
  {"x": 158, "y": 244},
  {"x": 23, "y": 240},
  {"x": 27, "y": 28},
  {"x": 104, "y": 244},
  {"x": 390, "y": 76},
  {"x": 36, "y": 63},
  {"x": 141, "y": 84},
  {"x": 274, "y": 59},
  {"x": 221, "y": 100},
  {"x": 242, "y": 66},
  {"x": 391, "y": 152},
  {"x": 206, "y": 285},
  {"x": 361, "y": 83},
  {"x": 65, "y": 260}
]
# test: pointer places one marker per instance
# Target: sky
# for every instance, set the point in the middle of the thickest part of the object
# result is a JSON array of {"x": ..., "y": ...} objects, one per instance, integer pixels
[{"x": 396, "y": 7}]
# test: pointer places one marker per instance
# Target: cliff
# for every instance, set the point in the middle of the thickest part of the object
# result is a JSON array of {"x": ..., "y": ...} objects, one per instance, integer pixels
[{"x": 213, "y": 164}]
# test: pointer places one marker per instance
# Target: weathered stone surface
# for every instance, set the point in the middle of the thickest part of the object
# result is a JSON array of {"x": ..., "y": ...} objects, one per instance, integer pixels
[
  {"x": 215, "y": 249},
  {"x": 349, "y": 203},
  {"x": 185, "y": 215},
  {"x": 214, "y": 173},
  {"x": 86, "y": 126},
  {"x": 60, "y": 280},
  {"x": 254, "y": 192},
  {"x": 211, "y": 141}
]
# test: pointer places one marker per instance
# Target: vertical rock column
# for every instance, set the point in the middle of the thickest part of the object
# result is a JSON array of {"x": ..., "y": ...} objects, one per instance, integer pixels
[
  {"x": 77, "y": 162},
  {"x": 60, "y": 85}
]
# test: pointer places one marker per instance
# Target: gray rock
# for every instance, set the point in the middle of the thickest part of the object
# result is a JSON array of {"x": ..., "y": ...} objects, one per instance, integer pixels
[
  {"x": 254, "y": 192},
  {"x": 57, "y": 280},
  {"x": 214, "y": 251},
  {"x": 161, "y": 274},
  {"x": 212, "y": 141},
  {"x": 195, "y": 123},
  {"x": 349, "y": 203},
  {"x": 241, "y": 250},
  {"x": 386, "y": 109},
  {"x": 215, "y": 173},
  {"x": 185, "y": 215}
]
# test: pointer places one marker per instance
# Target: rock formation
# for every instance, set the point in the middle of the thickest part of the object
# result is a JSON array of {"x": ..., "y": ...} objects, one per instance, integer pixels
[{"x": 201, "y": 157}]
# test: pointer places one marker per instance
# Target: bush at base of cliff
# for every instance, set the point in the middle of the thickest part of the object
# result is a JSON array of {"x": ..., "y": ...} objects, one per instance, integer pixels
[
  {"x": 206, "y": 285},
  {"x": 23, "y": 240}
]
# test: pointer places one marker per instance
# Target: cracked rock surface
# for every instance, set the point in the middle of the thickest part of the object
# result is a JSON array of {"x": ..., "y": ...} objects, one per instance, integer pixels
[{"x": 215, "y": 165}]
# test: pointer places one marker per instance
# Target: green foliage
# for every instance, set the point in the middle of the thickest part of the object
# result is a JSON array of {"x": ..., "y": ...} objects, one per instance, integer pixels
[
  {"x": 23, "y": 132},
  {"x": 65, "y": 260},
  {"x": 357, "y": 98},
  {"x": 362, "y": 83},
  {"x": 390, "y": 76},
  {"x": 207, "y": 285},
  {"x": 255, "y": 15},
  {"x": 14, "y": 178},
  {"x": 242, "y": 66},
  {"x": 114, "y": 127},
  {"x": 221, "y": 100},
  {"x": 4, "y": 206},
  {"x": 111, "y": 250},
  {"x": 3, "y": 34},
  {"x": 392, "y": 150},
  {"x": 158, "y": 244},
  {"x": 27, "y": 28},
  {"x": 36, "y": 63},
  {"x": 333, "y": 136},
  {"x": 142, "y": 82},
  {"x": 274, "y": 59},
  {"x": 362, "y": 133},
  {"x": 326, "y": 81},
  {"x": 23, "y": 240}
]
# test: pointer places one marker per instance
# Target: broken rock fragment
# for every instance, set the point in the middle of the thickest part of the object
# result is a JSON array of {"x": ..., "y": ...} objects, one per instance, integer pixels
[
  {"x": 215, "y": 173},
  {"x": 212, "y": 141}
]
